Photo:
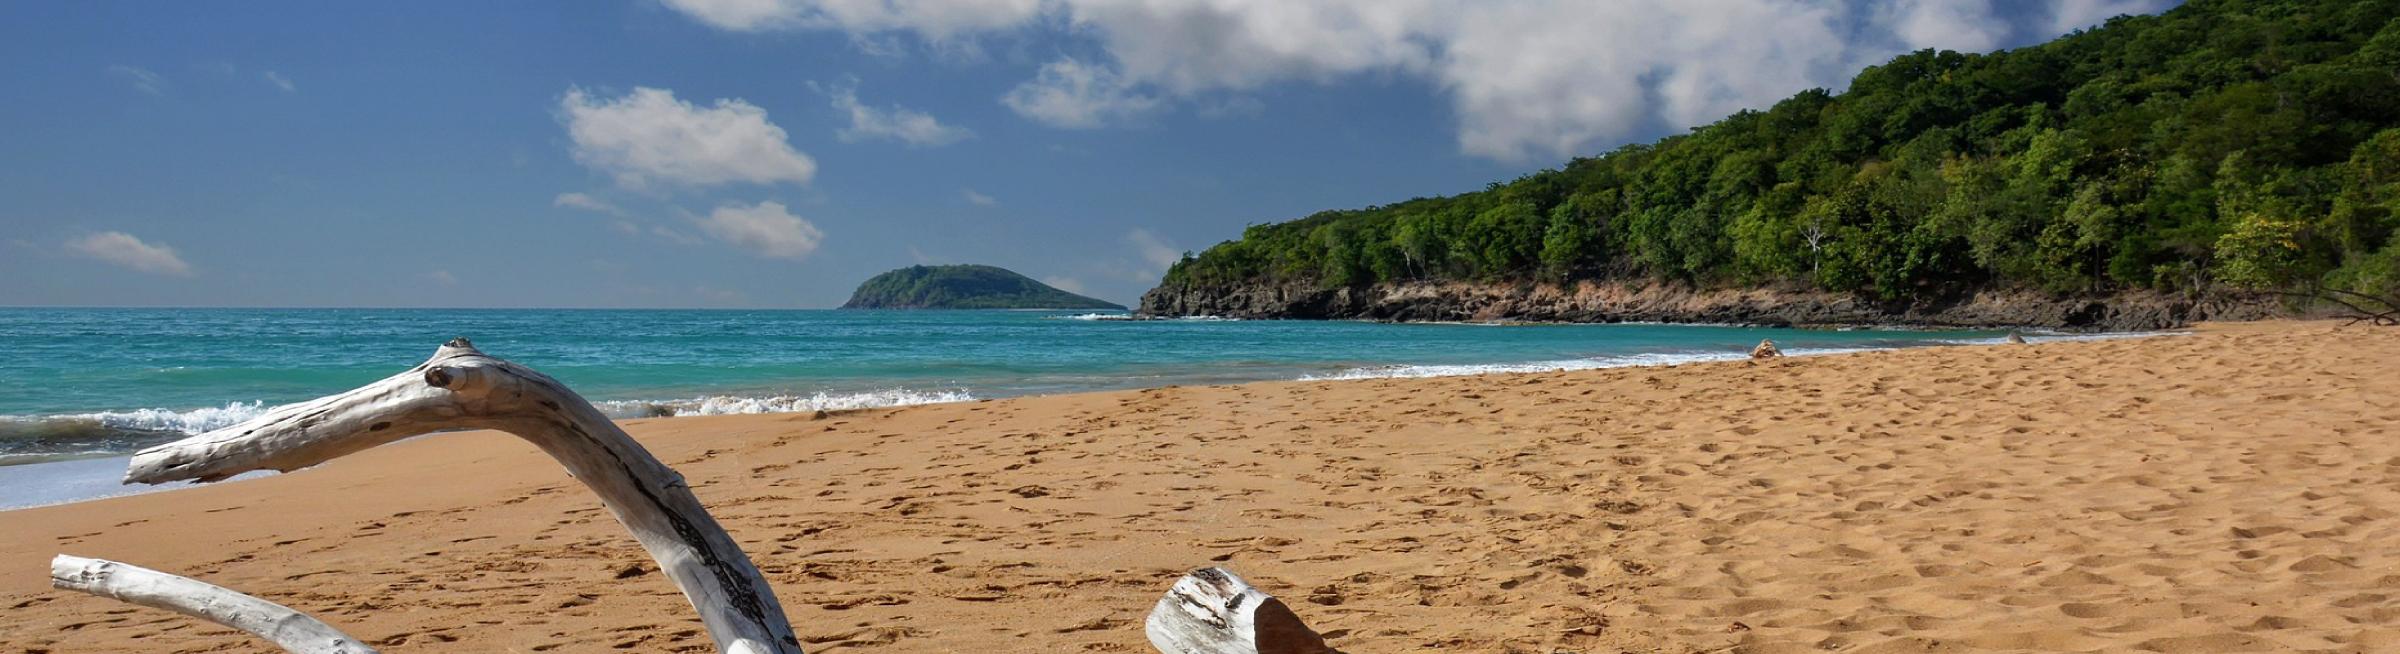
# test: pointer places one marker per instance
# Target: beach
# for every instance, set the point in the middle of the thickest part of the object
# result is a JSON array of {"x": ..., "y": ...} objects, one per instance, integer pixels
[{"x": 2234, "y": 489}]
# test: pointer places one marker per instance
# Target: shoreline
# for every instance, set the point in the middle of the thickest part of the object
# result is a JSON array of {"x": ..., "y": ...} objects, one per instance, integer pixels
[
  {"x": 46, "y": 470},
  {"x": 1607, "y": 301}
]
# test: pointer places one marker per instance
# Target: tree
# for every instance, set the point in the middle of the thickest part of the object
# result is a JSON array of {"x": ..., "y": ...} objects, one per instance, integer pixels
[{"x": 2273, "y": 255}]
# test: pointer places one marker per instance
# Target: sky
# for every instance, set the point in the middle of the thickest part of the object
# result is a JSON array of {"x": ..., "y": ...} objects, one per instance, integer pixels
[{"x": 774, "y": 153}]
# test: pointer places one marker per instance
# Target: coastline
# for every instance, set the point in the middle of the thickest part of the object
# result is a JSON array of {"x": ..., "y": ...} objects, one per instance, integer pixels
[
  {"x": 2229, "y": 490},
  {"x": 71, "y": 478},
  {"x": 1617, "y": 302}
]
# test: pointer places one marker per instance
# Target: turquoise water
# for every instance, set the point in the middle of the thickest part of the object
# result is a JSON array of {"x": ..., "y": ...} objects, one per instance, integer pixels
[{"x": 86, "y": 382}]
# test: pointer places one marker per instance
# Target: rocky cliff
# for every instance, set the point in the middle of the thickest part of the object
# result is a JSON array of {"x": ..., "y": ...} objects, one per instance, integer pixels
[{"x": 1630, "y": 302}]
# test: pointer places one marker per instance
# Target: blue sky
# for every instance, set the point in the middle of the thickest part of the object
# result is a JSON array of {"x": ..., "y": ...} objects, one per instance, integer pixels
[{"x": 773, "y": 153}]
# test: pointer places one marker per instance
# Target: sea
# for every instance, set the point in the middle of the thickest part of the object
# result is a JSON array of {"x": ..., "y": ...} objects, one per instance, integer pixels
[{"x": 82, "y": 388}]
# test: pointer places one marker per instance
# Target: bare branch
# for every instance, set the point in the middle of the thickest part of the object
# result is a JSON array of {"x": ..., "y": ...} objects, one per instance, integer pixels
[
  {"x": 462, "y": 388},
  {"x": 292, "y": 630}
]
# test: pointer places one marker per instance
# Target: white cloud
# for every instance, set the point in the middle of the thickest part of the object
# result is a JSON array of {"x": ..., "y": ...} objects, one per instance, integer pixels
[
  {"x": 1073, "y": 94},
  {"x": 280, "y": 81},
  {"x": 936, "y": 19},
  {"x": 142, "y": 79},
  {"x": 1964, "y": 25},
  {"x": 1157, "y": 251},
  {"x": 649, "y": 137},
  {"x": 442, "y": 277},
  {"x": 669, "y": 235},
  {"x": 1526, "y": 78},
  {"x": 2071, "y": 15},
  {"x": 585, "y": 202},
  {"x": 902, "y": 124},
  {"x": 1068, "y": 284},
  {"x": 122, "y": 249},
  {"x": 979, "y": 199},
  {"x": 766, "y": 229}
]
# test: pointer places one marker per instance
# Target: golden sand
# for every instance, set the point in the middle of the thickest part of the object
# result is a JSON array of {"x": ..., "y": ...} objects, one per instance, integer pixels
[{"x": 2232, "y": 490}]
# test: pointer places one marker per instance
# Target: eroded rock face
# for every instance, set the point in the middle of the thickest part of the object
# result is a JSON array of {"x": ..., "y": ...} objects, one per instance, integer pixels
[{"x": 1652, "y": 302}]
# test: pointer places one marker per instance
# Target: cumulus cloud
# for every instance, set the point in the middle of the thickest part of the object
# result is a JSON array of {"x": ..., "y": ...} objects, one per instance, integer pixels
[
  {"x": 126, "y": 251},
  {"x": 280, "y": 81},
  {"x": 1526, "y": 78},
  {"x": 1156, "y": 251},
  {"x": 585, "y": 202},
  {"x": 766, "y": 229},
  {"x": 915, "y": 128},
  {"x": 936, "y": 19},
  {"x": 649, "y": 137},
  {"x": 1073, "y": 94},
  {"x": 1966, "y": 26},
  {"x": 979, "y": 199},
  {"x": 142, "y": 79},
  {"x": 2070, "y": 15}
]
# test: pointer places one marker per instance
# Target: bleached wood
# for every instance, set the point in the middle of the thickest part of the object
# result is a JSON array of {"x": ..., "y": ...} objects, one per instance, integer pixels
[
  {"x": 292, "y": 630},
  {"x": 1766, "y": 350},
  {"x": 462, "y": 388},
  {"x": 1213, "y": 611}
]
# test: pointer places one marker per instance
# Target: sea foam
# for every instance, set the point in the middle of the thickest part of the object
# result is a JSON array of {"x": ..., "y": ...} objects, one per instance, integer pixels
[
  {"x": 27, "y": 439},
  {"x": 1558, "y": 365},
  {"x": 722, "y": 405}
]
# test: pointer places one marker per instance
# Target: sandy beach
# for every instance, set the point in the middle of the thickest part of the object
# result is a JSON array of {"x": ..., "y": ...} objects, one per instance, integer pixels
[{"x": 2231, "y": 490}]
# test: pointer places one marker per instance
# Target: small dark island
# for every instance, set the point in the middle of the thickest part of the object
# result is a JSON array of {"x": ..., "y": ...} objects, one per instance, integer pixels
[{"x": 964, "y": 287}]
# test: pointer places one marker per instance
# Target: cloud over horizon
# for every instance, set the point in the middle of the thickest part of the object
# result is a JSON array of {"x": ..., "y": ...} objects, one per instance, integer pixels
[
  {"x": 767, "y": 229},
  {"x": 126, "y": 251}
]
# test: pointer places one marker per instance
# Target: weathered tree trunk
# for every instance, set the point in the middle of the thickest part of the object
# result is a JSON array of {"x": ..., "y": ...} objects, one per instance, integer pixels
[
  {"x": 461, "y": 388},
  {"x": 1211, "y": 611},
  {"x": 292, "y": 630}
]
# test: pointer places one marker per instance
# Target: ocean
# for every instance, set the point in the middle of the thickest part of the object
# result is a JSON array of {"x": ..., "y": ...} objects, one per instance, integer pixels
[{"x": 86, "y": 383}]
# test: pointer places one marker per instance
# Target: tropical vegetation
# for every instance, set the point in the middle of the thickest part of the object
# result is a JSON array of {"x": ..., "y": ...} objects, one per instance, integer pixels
[{"x": 2251, "y": 143}]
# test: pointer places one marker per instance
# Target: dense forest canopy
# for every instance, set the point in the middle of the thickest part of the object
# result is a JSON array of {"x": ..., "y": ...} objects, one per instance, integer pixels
[
  {"x": 964, "y": 287},
  {"x": 2250, "y": 142}
]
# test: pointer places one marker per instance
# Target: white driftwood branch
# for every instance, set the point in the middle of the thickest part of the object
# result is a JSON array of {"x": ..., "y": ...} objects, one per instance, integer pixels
[
  {"x": 1212, "y": 611},
  {"x": 292, "y": 630},
  {"x": 462, "y": 388}
]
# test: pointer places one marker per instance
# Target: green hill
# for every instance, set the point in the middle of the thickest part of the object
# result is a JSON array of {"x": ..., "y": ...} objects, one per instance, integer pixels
[
  {"x": 2225, "y": 142},
  {"x": 964, "y": 287}
]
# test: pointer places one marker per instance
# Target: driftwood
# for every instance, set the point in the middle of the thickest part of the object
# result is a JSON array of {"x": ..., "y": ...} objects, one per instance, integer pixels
[
  {"x": 1212, "y": 611},
  {"x": 292, "y": 630},
  {"x": 1766, "y": 350},
  {"x": 461, "y": 388}
]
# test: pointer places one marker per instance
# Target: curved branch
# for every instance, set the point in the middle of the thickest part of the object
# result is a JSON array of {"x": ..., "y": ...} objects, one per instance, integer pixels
[
  {"x": 292, "y": 630},
  {"x": 462, "y": 388}
]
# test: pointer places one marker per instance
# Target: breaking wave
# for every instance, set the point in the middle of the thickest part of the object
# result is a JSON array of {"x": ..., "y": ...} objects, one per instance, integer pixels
[
  {"x": 30, "y": 439},
  {"x": 725, "y": 405}
]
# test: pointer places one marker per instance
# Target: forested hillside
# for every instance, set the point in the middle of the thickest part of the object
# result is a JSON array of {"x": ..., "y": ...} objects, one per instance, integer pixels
[{"x": 2248, "y": 142}]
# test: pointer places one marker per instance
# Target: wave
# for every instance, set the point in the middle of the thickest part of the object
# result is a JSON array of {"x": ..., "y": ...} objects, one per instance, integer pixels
[
  {"x": 725, "y": 405},
  {"x": 191, "y": 421},
  {"x": 32, "y": 439},
  {"x": 1127, "y": 317},
  {"x": 1560, "y": 365}
]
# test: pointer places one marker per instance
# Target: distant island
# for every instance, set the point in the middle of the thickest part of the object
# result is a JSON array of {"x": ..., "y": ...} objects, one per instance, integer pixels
[{"x": 964, "y": 287}]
